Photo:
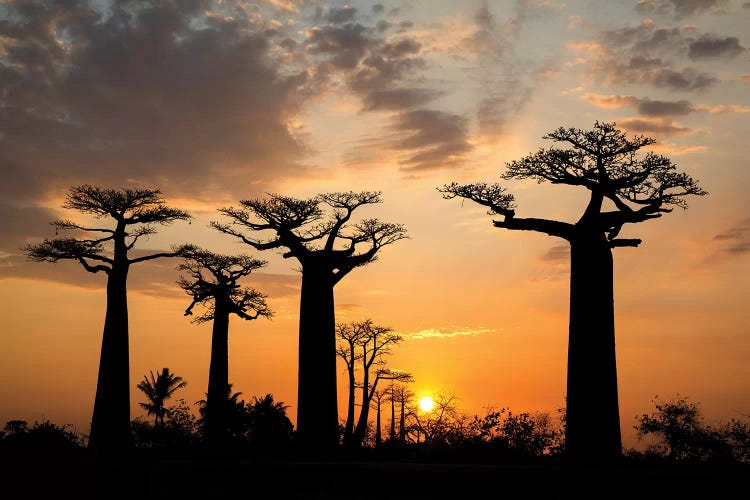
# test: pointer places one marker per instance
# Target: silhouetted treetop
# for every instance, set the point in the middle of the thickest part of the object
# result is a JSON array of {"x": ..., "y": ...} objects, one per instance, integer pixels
[
  {"x": 132, "y": 206},
  {"x": 317, "y": 227},
  {"x": 212, "y": 275},
  {"x": 603, "y": 160},
  {"x": 128, "y": 207}
]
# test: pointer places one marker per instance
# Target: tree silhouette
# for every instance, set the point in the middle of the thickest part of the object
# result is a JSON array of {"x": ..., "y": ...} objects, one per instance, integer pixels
[
  {"x": 317, "y": 232},
  {"x": 269, "y": 424},
  {"x": 364, "y": 344},
  {"x": 377, "y": 398},
  {"x": 212, "y": 281},
  {"x": 635, "y": 189},
  {"x": 158, "y": 389},
  {"x": 134, "y": 214}
]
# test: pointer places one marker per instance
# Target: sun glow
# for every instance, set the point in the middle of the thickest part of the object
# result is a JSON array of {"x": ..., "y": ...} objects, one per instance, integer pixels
[{"x": 426, "y": 404}]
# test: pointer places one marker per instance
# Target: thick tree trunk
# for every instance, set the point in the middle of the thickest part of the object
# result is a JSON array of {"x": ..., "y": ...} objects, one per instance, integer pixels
[
  {"x": 110, "y": 422},
  {"x": 592, "y": 410},
  {"x": 317, "y": 407},
  {"x": 218, "y": 376}
]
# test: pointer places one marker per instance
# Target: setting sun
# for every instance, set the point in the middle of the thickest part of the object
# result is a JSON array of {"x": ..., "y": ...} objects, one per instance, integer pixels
[{"x": 426, "y": 404}]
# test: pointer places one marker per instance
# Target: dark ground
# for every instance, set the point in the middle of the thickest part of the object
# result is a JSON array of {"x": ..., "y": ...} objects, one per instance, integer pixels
[{"x": 169, "y": 478}]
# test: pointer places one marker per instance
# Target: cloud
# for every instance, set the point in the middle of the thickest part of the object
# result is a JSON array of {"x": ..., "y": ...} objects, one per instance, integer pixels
[
  {"x": 736, "y": 238},
  {"x": 189, "y": 94},
  {"x": 507, "y": 78},
  {"x": 438, "y": 139},
  {"x": 342, "y": 15},
  {"x": 556, "y": 254},
  {"x": 685, "y": 8},
  {"x": 379, "y": 69},
  {"x": 657, "y": 108},
  {"x": 398, "y": 99},
  {"x": 447, "y": 332},
  {"x": 709, "y": 46},
  {"x": 647, "y": 54},
  {"x": 645, "y": 7},
  {"x": 659, "y": 126}
]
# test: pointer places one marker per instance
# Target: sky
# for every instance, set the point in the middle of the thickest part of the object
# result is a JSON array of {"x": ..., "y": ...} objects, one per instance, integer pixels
[{"x": 214, "y": 102}]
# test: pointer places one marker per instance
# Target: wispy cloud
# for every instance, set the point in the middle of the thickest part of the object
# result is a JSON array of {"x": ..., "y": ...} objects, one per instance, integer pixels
[{"x": 448, "y": 332}]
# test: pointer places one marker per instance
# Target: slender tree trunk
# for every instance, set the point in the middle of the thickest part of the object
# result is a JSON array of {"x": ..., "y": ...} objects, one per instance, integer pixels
[
  {"x": 393, "y": 415},
  {"x": 592, "y": 410},
  {"x": 378, "y": 435},
  {"x": 218, "y": 376},
  {"x": 364, "y": 414},
  {"x": 401, "y": 423},
  {"x": 349, "y": 426},
  {"x": 317, "y": 407},
  {"x": 110, "y": 422}
]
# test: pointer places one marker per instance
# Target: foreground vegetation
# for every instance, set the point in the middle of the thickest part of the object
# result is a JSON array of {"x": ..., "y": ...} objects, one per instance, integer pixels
[{"x": 675, "y": 430}]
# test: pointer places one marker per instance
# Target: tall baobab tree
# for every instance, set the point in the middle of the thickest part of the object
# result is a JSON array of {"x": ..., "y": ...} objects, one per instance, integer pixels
[
  {"x": 133, "y": 214},
  {"x": 212, "y": 281},
  {"x": 624, "y": 188},
  {"x": 158, "y": 389},
  {"x": 363, "y": 344},
  {"x": 318, "y": 233}
]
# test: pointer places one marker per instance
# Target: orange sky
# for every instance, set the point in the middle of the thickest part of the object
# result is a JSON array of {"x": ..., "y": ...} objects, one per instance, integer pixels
[{"x": 302, "y": 97}]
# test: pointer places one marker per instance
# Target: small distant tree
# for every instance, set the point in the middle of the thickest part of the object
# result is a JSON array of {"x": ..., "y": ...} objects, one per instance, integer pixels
[
  {"x": 318, "y": 233},
  {"x": 133, "y": 214},
  {"x": 623, "y": 188},
  {"x": 435, "y": 427},
  {"x": 363, "y": 345},
  {"x": 213, "y": 281},
  {"x": 377, "y": 398},
  {"x": 158, "y": 389},
  {"x": 681, "y": 432}
]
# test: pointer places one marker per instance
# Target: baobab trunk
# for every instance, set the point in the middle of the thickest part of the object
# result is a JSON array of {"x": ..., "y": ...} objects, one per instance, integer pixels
[
  {"x": 218, "y": 375},
  {"x": 592, "y": 409},
  {"x": 110, "y": 422},
  {"x": 317, "y": 407}
]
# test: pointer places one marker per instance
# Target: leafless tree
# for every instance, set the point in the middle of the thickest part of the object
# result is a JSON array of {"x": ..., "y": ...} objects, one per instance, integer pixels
[
  {"x": 318, "y": 232},
  {"x": 624, "y": 188},
  {"x": 364, "y": 344},
  {"x": 212, "y": 280},
  {"x": 133, "y": 214}
]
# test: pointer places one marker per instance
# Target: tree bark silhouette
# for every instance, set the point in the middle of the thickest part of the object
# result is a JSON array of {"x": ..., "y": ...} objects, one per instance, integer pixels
[
  {"x": 317, "y": 232},
  {"x": 212, "y": 281},
  {"x": 139, "y": 209},
  {"x": 604, "y": 161}
]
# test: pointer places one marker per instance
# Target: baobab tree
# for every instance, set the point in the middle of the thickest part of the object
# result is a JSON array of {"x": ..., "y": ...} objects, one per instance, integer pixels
[
  {"x": 399, "y": 393},
  {"x": 134, "y": 213},
  {"x": 318, "y": 233},
  {"x": 624, "y": 188},
  {"x": 363, "y": 345},
  {"x": 212, "y": 281}
]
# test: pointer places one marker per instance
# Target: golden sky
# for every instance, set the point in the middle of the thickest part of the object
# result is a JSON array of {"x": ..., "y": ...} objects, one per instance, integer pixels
[{"x": 214, "y": 102}]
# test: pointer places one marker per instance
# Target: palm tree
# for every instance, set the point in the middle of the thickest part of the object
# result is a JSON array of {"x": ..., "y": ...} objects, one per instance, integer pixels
[
  {"x": 158, "y": 389},
  {"x": 269, "y": 421}
]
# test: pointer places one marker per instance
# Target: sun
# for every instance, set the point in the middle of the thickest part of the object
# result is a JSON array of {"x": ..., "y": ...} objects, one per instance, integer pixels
[{"x": 426, "y": 404}]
